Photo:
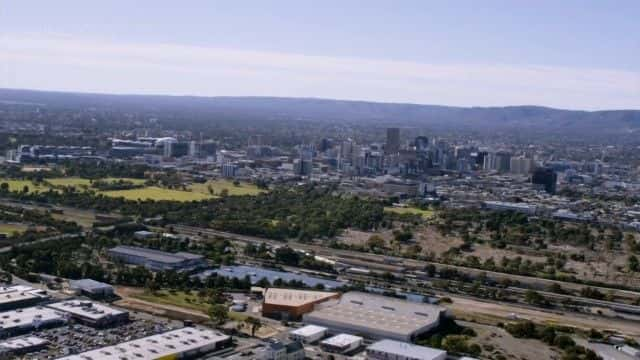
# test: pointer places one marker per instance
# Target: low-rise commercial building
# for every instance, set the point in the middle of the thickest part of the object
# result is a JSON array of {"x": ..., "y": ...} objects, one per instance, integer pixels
[
  {"x": 17, "y": 296},
  {"x": 276, "y": 350},
  {"x": 397, "y": 350},
  {"x": 188, "y": 342},
  {"x": 511, "y": 206},
  {"x": 91, "y": 313},
  {"x": 91, "y": 288},
  {"x": 308, "y": 334},
  {"x": 157, "y": 260},
  {"x": 376, "y": 316},
  {"x": 12, "y": 348},
  {"x": 342, "y": 343},
  {"x": 22, "y": 321},
  {"x": 143, "y": 234},
  {"x": 292, "y": 304},
  {"x": 256, "y": 274}
]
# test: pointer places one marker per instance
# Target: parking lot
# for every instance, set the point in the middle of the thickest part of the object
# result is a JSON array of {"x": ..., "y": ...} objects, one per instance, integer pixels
[{"x": 74, "y": 338}]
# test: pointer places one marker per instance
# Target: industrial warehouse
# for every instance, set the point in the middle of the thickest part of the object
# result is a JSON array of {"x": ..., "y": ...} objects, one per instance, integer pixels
[
  {"x": 256, "y": 274},
  {"x": 24, "y": 320},
  {"x": 291, "y": 304},
  {"x": 13, "y": 297},
  {"x": 156, "y": 260},
  {"x": 397, "y": 350},
  {"x": 10, "y": 349},
  {"x": 91, "y": 313},
  {"x": 182, "y": 343},
  {"x": 91, "y": 288},
  {"x": 376, "y": 316},
  {"x": 308, "y": 334}
]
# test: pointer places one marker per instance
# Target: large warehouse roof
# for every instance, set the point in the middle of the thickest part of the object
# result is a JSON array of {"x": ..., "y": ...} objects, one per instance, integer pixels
[
  {"x": 172, "y": 343},
  {"x": 22, "y": 343},
  {"x": 86, "y": 309},
  {"x": 375, "y": 315},
  {"x": 406, "y": 350},
  {"x": 256, "y": 274},
  {"x": 19, "y": 293},
  {"x": 88, "y": 285},
  {"x": 155, "y": 255},
  {"x": 290, "y": 297},
  {"x": 28, "y": 316}
]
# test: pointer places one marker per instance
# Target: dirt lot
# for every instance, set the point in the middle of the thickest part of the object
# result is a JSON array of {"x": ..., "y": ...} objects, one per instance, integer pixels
[
  {"x": 432, "y": 241},
  {"x": 484, "y": 251},
  {"x": 356, "y": 237},
  {"x": 495, "y": 340},
  {"x": 129, "y": 301},
  {"x": 491, "y": 313}
]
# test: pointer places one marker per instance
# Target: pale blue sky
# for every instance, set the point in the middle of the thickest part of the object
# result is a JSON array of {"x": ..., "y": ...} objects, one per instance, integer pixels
[{"x": 571, "y": 54}]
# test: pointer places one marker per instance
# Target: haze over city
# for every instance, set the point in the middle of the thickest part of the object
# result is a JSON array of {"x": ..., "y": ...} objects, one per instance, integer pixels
[
  {"x": 569, "y": 54},
  {"x": 319, "y": 180}
]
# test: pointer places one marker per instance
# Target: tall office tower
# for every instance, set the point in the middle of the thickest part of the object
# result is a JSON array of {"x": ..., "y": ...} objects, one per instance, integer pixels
[
  {"x": 208, "y": 149},
  {"x": 255, "y": 140},
  {"x": 503, "y": 161},
  {"x": 167, "y": 149},
  {"x": 347, "y": 149},
  {"x": 324, "y": 145},
  {"x": 179, "y": 149},
  {"x": 521, "y": 165},
  {"x": 421, "y": 143},
  {"x": 480, "y": 156},
  {"x": 546, "y": 178},
  {"x": 489, "y": 162},
  {"x": 393, "y": 141},
  {"x": 193, "y": 148},
  {"x": 462, "y": 152}
]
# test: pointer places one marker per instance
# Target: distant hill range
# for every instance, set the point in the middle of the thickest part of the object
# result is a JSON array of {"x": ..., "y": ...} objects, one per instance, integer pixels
[{"x": 527, "y": 118}]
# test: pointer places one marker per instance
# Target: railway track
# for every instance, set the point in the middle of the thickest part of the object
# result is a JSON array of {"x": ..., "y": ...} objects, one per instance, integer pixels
[{"x": 385, "y": 263}]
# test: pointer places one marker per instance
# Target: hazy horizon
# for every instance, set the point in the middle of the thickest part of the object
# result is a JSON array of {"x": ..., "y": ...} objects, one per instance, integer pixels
[{"x": 571, "y": 55}]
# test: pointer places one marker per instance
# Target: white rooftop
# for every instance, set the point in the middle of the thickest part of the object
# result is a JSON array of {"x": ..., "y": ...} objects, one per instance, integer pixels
[
  {"x": 87, "y": 309},
  {"x": 368, "y": 311},
  {"x": 407, "y": 350},
  {"x": 342, "y": 340},
  {"x": 168, "y": 344},
  {"x": 28, "y": 317},
  {"x": 18, "y": 293},
  {"x": 22, "y": 342},
  {"x": 309, "y": 330}
]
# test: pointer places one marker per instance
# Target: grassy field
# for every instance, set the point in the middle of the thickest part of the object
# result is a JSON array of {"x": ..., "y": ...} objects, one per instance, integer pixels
[
  {"x": 18, "y": 185},
  {"x": 218, "y": 185},
  {"x": 426, "y": 214},
  {"x": 195, "y": 192},
  {"x": 157, "y": 193},
  {"x": 188, "y": 301},
  {"x": 12, "y": 228},
  {"x": 178, "y": 298}
]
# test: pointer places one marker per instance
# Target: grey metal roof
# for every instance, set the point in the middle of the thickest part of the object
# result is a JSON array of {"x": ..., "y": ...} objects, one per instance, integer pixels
[
  {"x": 154, "y": 255},
  {"x": 256, "y": 274},
  {"x": 407, "y": 350},
  {"x": 88, "y": 284},
  {"x": 367, "y": 312}
]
